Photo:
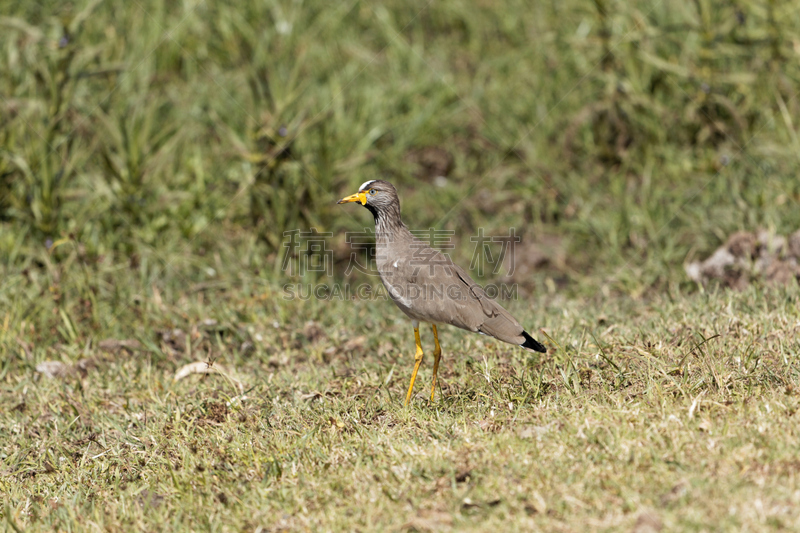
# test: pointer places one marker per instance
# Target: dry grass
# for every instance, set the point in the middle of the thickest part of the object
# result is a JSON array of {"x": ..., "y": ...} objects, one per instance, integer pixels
[{"x": 683, "y": 417}]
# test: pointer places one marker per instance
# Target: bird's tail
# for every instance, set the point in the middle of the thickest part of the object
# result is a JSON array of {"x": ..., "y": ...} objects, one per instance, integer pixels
[{"x": 532, "y": 344}]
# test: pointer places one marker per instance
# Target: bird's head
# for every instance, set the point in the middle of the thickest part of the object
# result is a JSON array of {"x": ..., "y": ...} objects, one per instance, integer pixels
[{"x": 375, "y": 195}]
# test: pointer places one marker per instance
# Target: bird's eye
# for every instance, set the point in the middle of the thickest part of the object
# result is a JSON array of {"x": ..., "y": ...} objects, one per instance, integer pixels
[{"x": 372, "y": 191}]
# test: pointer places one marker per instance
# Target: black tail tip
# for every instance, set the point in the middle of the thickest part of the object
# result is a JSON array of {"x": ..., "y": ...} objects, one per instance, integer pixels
[{"x": 532, "y": 344}]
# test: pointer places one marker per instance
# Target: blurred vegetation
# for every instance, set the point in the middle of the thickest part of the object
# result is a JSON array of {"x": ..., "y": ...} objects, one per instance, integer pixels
[{"x": 155, "y": 144}]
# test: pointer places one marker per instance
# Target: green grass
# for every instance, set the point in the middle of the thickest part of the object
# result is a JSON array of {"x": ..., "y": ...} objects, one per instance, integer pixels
[{"x": 153, "y": 154}]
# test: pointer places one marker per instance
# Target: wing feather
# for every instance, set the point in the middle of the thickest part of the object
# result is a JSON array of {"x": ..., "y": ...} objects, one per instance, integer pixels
[{"x": 439, "y": 291}]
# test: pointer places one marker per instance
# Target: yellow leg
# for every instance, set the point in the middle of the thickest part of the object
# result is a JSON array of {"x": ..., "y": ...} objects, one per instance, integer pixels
[
  {"x": 417, "y": 361},
  {"x": 437, "y": 354}
]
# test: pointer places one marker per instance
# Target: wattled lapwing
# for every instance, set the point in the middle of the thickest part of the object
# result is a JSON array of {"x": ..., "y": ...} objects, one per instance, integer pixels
[{"x": 427, "y": 286}]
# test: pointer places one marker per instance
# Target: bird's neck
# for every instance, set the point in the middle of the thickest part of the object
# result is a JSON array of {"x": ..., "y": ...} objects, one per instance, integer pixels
[{"x": 388, "y": 224}]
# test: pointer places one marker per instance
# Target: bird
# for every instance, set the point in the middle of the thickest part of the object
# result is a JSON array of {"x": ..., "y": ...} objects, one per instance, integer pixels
[{"x": 427, "y": 286}]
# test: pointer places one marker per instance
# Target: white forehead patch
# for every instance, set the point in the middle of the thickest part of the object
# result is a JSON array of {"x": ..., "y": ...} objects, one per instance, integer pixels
[{"x": 366, "y": 184}]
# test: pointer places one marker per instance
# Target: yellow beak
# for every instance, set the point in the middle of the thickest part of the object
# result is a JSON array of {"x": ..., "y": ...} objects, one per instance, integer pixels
[{"x": 357, "y": 197}]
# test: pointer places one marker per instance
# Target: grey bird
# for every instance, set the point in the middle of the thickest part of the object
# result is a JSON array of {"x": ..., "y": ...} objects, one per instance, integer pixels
[{"x": 427, "y": 286}]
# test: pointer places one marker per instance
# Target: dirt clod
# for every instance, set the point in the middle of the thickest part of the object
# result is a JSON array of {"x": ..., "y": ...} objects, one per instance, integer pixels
[{"x": 750, "y": 256}]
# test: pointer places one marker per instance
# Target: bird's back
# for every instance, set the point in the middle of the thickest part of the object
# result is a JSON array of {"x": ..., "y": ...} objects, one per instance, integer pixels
[{"x": 427, "y": 286}]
